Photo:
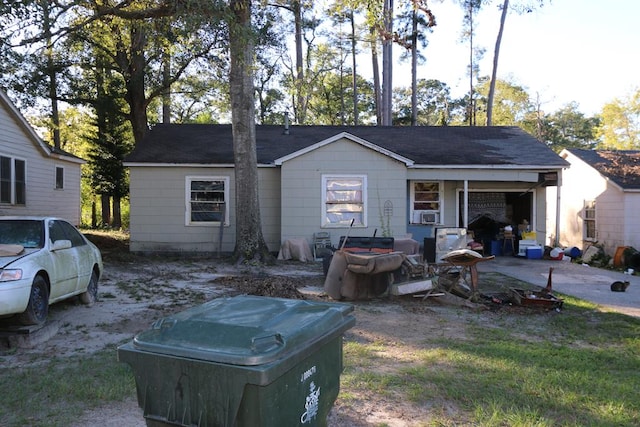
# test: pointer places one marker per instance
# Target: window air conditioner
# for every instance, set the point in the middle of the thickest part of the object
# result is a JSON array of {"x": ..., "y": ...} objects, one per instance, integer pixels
[{"x": 428, "y": 218}]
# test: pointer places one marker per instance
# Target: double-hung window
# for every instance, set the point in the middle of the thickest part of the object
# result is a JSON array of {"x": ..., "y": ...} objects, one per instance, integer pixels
[
  {"x": 425, "y": 202},
  {"x": 13, "y": 182},
  {"x": 207, "y": 200},
  {"x": 589, "y": 220},
  {"x": 344, "y": 200}
]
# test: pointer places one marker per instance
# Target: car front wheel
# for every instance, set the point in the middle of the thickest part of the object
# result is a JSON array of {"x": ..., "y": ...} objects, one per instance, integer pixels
[
  {"x": 90, "y": 296},
  {"x": 38, "y": 306}
]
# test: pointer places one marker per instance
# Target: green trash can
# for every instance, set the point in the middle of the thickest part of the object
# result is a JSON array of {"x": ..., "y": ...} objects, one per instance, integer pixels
[{"x": 241, "y": 361}]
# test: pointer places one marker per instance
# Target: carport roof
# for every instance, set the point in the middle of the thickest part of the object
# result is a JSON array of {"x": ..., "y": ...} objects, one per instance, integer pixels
[{"x": 424, "y": 145}]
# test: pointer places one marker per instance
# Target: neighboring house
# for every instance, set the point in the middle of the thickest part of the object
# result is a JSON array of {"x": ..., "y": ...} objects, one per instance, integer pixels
[
  {"x": 35, "y": 178},
  {"x": 394, "y": 181},
  {"x": 599, "y": 199}
]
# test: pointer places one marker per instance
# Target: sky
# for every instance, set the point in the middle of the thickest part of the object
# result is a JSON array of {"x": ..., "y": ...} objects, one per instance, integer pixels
[{"x": 584, "y": 51}]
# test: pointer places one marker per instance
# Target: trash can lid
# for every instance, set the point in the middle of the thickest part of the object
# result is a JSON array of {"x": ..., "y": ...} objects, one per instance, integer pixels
[{"x": 245, "y": 330}]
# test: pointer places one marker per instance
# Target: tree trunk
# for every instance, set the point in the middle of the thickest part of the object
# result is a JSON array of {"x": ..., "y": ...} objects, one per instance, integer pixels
[
  {"x": 105, "y": 202},
  {"x": 117, "y": 214},
  {"x": 52, "y": 74},
  {"x": 250, "y": 243},
  {"x": 471, "y": 107},
  {"x": 166, "y": 93},
  {"x": 414, "y": 70},
  {"x": 354, "y": 64},
  {"x": 94, "y": 214},
  {"x": 376, "y": 78},
  {"x": 494, "y": 71},
  {"x": 135, "y": 84},
  {"x": 387, "y": 64},
  {"x": 301, "y": 104}
]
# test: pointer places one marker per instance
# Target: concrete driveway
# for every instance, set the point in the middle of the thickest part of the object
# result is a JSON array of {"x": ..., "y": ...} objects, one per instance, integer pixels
[{"x": 577, "y": 280}]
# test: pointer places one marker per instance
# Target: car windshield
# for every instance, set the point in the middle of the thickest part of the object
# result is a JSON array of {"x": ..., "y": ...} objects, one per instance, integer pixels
[{"x": 27, "y": 233}]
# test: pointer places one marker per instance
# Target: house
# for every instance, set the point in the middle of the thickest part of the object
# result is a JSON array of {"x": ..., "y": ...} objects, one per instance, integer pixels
[
  {"x": 393, "y": 181},
  {"x": 599, "y": 199},
  {"x": 35, "y": 178}
]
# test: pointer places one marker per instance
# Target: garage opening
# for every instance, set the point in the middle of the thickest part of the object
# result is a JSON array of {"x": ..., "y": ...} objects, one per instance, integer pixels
[{"x": 491, "y": 211}]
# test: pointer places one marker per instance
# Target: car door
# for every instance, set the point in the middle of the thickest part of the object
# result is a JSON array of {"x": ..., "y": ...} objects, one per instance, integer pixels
[
  {"x": 82, "y": 253},
  {"x": 64, "y": 276}
]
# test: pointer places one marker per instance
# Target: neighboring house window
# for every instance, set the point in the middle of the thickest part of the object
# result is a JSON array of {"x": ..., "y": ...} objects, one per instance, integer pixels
[
  {"x": 589, "y": 220},
  {"x": 344, "y": 199},
  {"x": 425, "y": 202},
  {"x": 13, "y": 182},
  {"x": 207, "y": 200},
  {"x": 59, "y": 178}
]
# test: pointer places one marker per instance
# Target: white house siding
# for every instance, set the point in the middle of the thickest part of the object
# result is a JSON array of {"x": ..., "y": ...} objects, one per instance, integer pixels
[
  {"x": 158, "y": 207},
  {"x": 610, "y": 218},
  {"x": 617, "y": 221},
  {"x": 631, "y": 220},
  {"x": 270, "y": 195},
  {"x": 42, "y": 198},
  {"x": 302, "y": 190}
]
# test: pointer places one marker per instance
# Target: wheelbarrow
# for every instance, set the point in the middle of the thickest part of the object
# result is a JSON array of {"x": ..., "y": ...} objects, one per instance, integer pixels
[{"x": 466, "y": 260}]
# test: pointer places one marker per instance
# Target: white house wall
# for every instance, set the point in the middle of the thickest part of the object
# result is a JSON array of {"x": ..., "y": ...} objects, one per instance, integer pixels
[
  {"x": 631, "y": 232},
  {"x": 158, "y": 206},
  {"x": 617, "y": 222},
  {"x": 302, "y": 190},
  {"x": 42, "y": 198}
]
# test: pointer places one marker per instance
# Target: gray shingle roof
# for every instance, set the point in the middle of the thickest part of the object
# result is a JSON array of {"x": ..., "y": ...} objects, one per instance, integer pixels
[
  {"x": 425, "y": 145},
  {"x": 619, "y": 166}
]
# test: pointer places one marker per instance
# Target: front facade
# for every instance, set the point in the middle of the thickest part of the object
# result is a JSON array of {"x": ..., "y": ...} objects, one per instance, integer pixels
[
  {"x": 599, "y": 199},
  {"x": 35, "y": 179},
  {"x": 357, "y": 180}
]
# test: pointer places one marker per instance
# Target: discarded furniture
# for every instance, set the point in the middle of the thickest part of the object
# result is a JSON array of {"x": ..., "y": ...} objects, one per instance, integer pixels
[
  {"x": 321, "y": 244},
  {"x": 364, "y": 275}
]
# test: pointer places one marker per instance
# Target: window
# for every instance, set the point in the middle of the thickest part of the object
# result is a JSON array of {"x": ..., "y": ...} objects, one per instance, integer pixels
[
  {"x": 344, "y": 200},
  {"x": 62, "y": 230},
  {"x": 425, "y": 202},
  {"x": 207, "y": 200},
  {"x": 13, "y": 182},
  {"x": 589, "y": 220},
  {"x": 59, "y": 178}
]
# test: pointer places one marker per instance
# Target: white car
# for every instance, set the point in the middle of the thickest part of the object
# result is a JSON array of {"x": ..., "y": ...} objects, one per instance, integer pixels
[{"x": 44, "y": 260}]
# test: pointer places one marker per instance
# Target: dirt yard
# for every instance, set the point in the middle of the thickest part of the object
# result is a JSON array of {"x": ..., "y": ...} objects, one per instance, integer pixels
[{"x": 136, "y": 291}]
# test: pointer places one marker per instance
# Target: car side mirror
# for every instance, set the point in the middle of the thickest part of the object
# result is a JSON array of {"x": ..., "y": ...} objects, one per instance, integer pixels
[{"x": 61, "y": 244}]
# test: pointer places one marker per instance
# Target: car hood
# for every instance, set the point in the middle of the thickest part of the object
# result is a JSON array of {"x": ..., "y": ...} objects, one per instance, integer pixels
[{"x": 5, "y": 261}]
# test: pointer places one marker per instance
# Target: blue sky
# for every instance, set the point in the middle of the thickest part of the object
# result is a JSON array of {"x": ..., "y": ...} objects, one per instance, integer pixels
[{"x": 587, "y": 51}]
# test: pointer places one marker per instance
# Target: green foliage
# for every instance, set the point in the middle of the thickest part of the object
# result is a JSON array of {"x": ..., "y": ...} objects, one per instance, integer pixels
[
  {"x": 512, "y": 105},
  {"x": 569, "y": 128},
  {"x": 620, "y": 124},
  {"x": 111, "y": 140},
  {"x": 435, "y": 105}
]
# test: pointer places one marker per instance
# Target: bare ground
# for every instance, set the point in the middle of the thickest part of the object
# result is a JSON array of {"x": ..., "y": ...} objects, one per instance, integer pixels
[{"x": 136, "y": 291}]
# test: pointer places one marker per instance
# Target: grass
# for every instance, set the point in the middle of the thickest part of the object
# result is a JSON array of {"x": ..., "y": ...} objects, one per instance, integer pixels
[
  {"x": 576, "y": 368},
  {"x": 579, "y": 368},
  {"x": 57, "y": 391}
]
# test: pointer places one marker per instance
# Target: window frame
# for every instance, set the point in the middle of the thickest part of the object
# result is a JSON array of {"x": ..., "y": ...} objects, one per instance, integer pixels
[
  {"x": 589, "y": 232},
  {"x": 324, "y": 220},
  {"x": 59, "y": 177},
  {"x": 188, "y": 201},
  {"x": 414, "y": 214},
  {"x": 16, "y": 181}
]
